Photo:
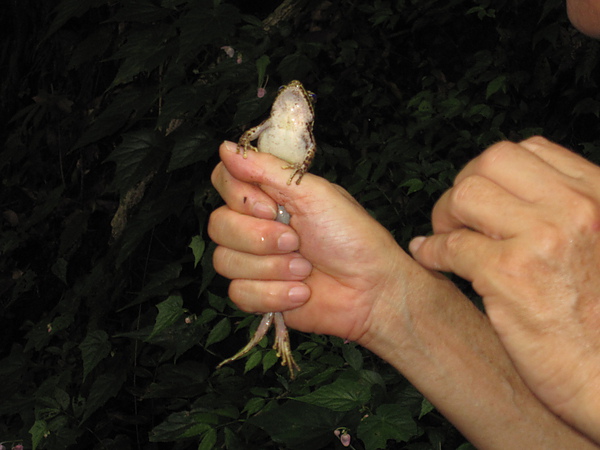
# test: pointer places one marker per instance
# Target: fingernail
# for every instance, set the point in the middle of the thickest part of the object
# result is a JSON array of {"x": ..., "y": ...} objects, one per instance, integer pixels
[
  {"x": 416, "y": 243},
  {"x": 300, "y": 267},
  {"x": 288, "y": 242},
  {"x": 299, "y": 294},
  {"x": 230, "y": 146},
  {"x": 264, "y": 211}
]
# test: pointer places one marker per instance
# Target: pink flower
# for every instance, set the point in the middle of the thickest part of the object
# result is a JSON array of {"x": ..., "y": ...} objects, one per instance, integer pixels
[
  {"x": 345, "y": 439},
  {"x": 18, "y": 447}
]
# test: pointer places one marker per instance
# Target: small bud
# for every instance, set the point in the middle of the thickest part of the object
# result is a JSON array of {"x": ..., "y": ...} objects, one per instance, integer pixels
[
  {"x": 228, "y": 50},
  {"x": 260, "y": 92},
  {"x": 49, "y": 327},
  {"x": 18, "y": 447},
  {"x": 345, "y": 439},
  {"x": 239, "y": 58},
  {"x": 336, "y": 432}
]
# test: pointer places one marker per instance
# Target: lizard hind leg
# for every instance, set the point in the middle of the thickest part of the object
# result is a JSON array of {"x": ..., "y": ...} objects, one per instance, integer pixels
[
  {"x": 282, "y": 345},
  {"x": 260, "y": 332}
]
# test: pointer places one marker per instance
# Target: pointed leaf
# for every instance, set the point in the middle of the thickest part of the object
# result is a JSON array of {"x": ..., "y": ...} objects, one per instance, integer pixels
[
  {"x": 168, "y": 312},
  {"x": 37, "y": 432},
  {"x": 190, "y": 149},
  {"x": 301, "y": 426},
  {"x": 104, "y": 388},
  {"x": 341, "y": 395},
  {"x": 139, "y": 154},
  {"x": 209, "y": 440},
  {"x": 94, "y": 348},
  {"x": 389, "y": 422},
  {"x": 219, "y": 332}
]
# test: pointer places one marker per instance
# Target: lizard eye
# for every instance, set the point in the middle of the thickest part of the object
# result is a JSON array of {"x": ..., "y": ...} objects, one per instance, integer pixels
[{"x": 312, "y": 96}]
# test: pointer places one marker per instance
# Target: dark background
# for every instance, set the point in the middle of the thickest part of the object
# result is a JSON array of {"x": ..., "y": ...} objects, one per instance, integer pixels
[{"x": 112, "y": 319}]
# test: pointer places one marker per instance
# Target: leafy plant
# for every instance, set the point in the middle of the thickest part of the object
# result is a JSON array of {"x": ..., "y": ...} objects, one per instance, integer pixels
[{"x": 112, "y": 317}]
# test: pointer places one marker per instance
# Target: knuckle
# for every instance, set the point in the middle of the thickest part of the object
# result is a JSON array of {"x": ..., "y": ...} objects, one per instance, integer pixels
[
  {"x": 213, "y": 224},
  {"x": 221, "y": 260},
  {"x": 584, "y": 214},
  {"x": 215, "y": 176},
  {"x": 550, "y": 241},
  {"x": 465, "y": 190},
  {"x": 495, "y": 154},
  {"x": 538, "y": 141},
  {"x": 456, "y": 242}
]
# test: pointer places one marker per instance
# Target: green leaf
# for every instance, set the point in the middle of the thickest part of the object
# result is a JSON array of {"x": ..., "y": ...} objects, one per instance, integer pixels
[
  {"x": 497, "y": 84},
  {"x": 124, "y": 105},
  {"x": 269, "y": 360},
  {"x": 37, "y": 432},
  {"x": 302, "y": 426},
  {"x": 181, "y": 380},
  {"x": 253, "y": 361},
  {"x": 144, "y": 50},
  {"x": 261, "y": 67},
  {"x": 197, "y": 245},
  {"x": 160, "y": 283},
  {"x": 168, "y": 312},
  {"x": 205, "y": 25},
  {"x": 106, "y": 386},
  {"x": 426, "y": 407},
  {"x": 59, "y": 268},
  {"x": 353, "y": 356},
  {"x": 139, "y": 154},
  {"x": 191, "y": 148},
  {"x": 413, "y": 185},
  {"x": 177, "y": 425},
  {"x": 389, "y": 422},
  {"x": 94, "y": 348},
  {"x": 209, "y": 440},
  {"x": 254, "y": 405},
  {"x": 295, "y": 66},
  {"x": 68, "y": 9},
  {"x": 143, "y": 11},
  {"x": 220, "y": 331},
  {"x": 343, "y": 394},
  {"x": 217, "y": 302}
]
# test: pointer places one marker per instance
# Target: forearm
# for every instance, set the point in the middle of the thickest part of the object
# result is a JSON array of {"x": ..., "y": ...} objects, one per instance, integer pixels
[{"x": 436, "y": 338}]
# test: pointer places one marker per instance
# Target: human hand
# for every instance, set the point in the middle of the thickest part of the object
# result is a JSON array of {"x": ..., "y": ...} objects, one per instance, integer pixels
[
  {"x": 522, "y": 222},
  {"x": 329, "y": 271}
]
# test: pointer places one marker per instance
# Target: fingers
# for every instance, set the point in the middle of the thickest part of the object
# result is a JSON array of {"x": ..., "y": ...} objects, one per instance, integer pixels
[
  {"x": 482, "y": 205},
  {"x": 267, "y": 296},
  {"x": 233, "y": 264},
  {"x": 520, "y": 172},
  {"x": 250, "y": 234},
  {"x": 560, "y": 158},
  {"x": 462, "y": 252},
  {"x": 259, "y": 256}
]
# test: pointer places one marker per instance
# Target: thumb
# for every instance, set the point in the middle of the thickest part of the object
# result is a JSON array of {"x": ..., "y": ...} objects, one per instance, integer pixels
[{"x": 267, "y": 171}]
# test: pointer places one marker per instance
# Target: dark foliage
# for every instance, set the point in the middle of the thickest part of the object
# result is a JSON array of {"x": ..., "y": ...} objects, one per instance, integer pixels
[{"x": 112, "y": 317}]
